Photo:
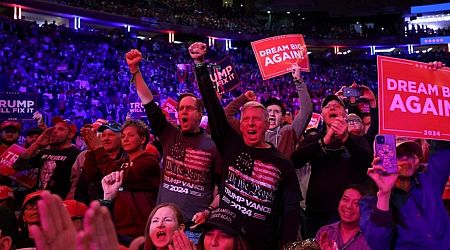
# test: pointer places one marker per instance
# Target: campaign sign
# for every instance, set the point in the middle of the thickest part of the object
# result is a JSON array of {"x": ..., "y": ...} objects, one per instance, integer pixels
[
  {"x": 275, "y": 55},
  {"x": 414, "y": 100},
  {"x": 27, "y": 178},
  {"x": 224, "y": 76},
  {"x": 17, "y": 106},
  {"x": 169, "y": 109},
  {"x": 137, "y": 110}
]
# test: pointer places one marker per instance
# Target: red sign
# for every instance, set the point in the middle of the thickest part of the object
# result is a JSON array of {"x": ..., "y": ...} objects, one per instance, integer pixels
[
  {"x": 414, "y": 100},
  {"x": 27, "y": 178},
  {"x": 275, "y": 55},
  {"x": 169, "y": 109},
  {"x": 446, "y": 195}
]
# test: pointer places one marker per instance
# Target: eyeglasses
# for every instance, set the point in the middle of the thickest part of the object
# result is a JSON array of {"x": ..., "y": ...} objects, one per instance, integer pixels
[
  {"x": 354, "y": 121},
  {"x": 187, "y": 108}
]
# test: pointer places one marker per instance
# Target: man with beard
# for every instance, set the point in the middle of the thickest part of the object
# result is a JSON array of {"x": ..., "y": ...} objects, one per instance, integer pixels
[
  {"x": 191, "y": 163},
  {"x": 9, "y": 134},
  {"x": 259, "y": 180},
  {"x": 337, "y": 160},
  {"x": 56, "y": 158}
]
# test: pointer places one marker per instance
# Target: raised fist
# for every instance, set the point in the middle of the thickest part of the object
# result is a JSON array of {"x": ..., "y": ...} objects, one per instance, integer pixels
[
  {"x": 197, "y": 52},
  {"x": 296, "y": 71},
  {"x": 133, "y": 57},
  {"x": 251, "y": 96}
]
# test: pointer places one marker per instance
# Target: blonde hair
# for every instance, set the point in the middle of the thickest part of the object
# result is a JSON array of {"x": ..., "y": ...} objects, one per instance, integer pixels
[{"x": 253, "y": 104}]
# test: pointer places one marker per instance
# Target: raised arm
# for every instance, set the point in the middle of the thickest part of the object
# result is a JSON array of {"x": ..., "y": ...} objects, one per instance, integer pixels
[
  {"x": 158, "y": 121},
  {"x": 221, "y": 131},
  {"x": 232, "y": 109},
  {"x": 306, "y": 108}
]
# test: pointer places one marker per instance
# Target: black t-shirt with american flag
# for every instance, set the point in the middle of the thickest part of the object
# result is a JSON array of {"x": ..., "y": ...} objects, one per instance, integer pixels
[
  {"x": 259, "y": 182},
  {"x": 191, "y": 165}
]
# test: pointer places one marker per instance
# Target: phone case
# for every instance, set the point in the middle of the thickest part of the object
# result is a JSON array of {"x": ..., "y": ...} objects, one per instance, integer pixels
[{"x": 386, "y": 150}]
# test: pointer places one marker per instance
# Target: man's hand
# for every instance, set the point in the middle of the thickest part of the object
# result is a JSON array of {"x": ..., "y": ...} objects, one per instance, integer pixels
[
  {"x": 435, "y": 65},
  {"x": 385, "y": 182},
  {"x": 296, "y": 72},
  {"x": 44, "y": 139},
  {"x": 90, "y": 138},
  {"x": 369, "y": 96},
  {"x": 251, "y": 96},
  {"x": 111, "y": 184},
  {"x": 199, "y": 218},
  {"x": 133, "y": 57},
  {"x": 326, "y": 243},
  {"x": 56, "y": 230},
  {"x": 98, "y": 230},
  {"x": 197, "y": 51},
  {"x": 340, "y": 127}
]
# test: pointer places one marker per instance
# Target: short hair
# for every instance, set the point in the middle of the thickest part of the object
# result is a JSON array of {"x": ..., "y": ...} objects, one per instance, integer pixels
[
  {"x": 198, "y": 102},
  {"x": 141, "y": 127},
  {"x": 356, "y": 187},
  {"x": 253, "y": 104},
  {"x": 275, "y": 101}
]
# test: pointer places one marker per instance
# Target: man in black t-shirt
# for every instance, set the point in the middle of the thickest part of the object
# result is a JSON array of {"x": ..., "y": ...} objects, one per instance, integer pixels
[
  {"x": 258, "y": 180},
  {"x": 53, "y": 154}
]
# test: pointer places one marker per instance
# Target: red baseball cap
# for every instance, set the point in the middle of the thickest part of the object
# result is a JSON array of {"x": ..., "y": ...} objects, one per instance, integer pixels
[
  {"x": 6, "y": 192},
  {"x": 32, "y": 196},
  {"x": 75, "y": 208},
  {"x": 15, "y": 124},
  {"x": 66, "y": 122}
]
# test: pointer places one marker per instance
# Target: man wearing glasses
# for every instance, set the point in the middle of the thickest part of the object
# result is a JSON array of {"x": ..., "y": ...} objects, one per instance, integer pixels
[
  {"x": 53, "y": 154},
  {"x": 191, "y": 163}
]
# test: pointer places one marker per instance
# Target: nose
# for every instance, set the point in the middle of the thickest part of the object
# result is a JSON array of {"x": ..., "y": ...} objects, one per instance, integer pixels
[{"x": 215, "y": 239}]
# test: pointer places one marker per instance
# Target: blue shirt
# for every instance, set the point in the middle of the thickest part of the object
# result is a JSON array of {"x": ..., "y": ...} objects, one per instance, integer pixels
[
  {"x": 417, "y": 219},
  {"x": 334, "y": 233}
]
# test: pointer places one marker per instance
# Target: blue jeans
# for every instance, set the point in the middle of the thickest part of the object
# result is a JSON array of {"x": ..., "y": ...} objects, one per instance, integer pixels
[{"x": 193, "y": 236}]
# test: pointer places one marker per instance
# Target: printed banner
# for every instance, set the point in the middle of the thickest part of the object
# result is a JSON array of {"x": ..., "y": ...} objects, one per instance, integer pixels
[
  {"x": 224, "y": 76},
  {"x": 275, "y": 55},
  {"x": 414, "y": 100},
  {"x": 169, "y": 109},
  {"x": 17, "y": 106},
  {"x": 27, "y": 178},
  {"x": 137, "y": 110}
]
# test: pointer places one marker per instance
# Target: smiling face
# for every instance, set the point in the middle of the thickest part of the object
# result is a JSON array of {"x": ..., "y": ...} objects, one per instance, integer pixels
[
  {"x": 162, "y": 226},
  {"x": 349, "y": 206},
  {"x": 253, "y": 126},
  {"x": 331, "y": 111},
  {"x": 275, "y": 116},
  {"x": 189, "y": 115}
]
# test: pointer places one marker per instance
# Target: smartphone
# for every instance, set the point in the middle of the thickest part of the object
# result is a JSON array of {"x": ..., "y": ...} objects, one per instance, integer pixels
[
  {"x": 352, "y": 92},
  {"x": 385, "y": 148}
]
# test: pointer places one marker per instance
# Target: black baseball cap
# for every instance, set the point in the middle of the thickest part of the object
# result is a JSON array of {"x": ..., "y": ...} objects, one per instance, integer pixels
[
  {"x": 275, "y": 101},
  {"x": 114, "y": 126},
  {"x": 330, "y": 98},
  {"x": 228, "y": 220}
]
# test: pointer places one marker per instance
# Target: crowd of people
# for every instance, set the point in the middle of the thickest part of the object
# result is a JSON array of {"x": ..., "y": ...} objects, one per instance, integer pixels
[
  {"x": 172, "y": 184},
  {"x": 234, "y": 18}
]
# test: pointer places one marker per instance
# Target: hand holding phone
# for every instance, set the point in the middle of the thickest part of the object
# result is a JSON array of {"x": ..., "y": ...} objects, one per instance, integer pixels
[
  {"x": 352, "y": 92},
  {"x": 385, "y": 149}
]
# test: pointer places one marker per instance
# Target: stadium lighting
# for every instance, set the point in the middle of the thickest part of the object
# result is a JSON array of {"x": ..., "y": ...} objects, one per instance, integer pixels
[
  {"x": 268, "y": 12},
  {"x": 288, "y": 12}
]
